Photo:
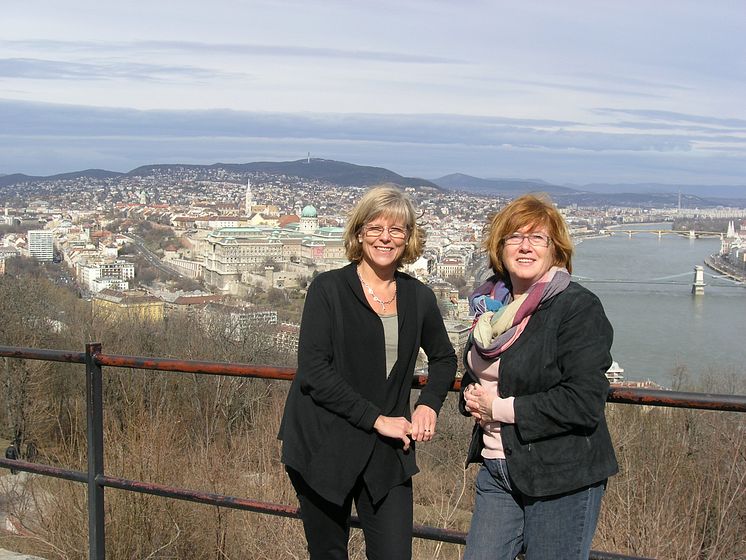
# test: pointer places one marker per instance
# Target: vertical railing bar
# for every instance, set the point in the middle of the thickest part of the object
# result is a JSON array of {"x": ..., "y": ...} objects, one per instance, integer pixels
[{"x": 95, "y": 421}]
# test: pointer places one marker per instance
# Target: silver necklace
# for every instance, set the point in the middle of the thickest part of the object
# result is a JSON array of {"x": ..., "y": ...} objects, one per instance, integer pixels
[{"x": 374, "y": 296}]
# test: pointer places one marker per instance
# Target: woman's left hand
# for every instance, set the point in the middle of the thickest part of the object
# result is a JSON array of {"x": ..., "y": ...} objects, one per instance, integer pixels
[
  {"x": 423, "y": 423},
  {"x": 479, "y": 403}
]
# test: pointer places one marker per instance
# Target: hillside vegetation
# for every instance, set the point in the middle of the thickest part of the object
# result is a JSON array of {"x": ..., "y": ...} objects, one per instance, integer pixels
[{"x": 681, "y": 492}]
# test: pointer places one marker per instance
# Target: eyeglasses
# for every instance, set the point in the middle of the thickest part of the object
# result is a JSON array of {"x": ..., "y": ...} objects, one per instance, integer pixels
[
  {"x": 395, "y": 232},
  {"x": 535, "y": 239}
]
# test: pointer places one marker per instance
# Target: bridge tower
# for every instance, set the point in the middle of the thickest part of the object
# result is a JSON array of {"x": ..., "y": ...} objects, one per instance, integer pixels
[
  {"x": 692, "y": 235},
  {"x": 698, "y": 286}
]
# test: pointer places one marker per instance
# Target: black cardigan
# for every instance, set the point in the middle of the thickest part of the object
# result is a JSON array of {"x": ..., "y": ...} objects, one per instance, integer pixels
[
  {"x": 555, "y": 371},
  {"x": 341, "y": 388}
]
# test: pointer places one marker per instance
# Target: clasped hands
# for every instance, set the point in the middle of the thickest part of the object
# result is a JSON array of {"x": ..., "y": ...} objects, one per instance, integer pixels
[
  {"x": 487, "y": 407},
  {"x": 478, "y": 403},
  {"x": 421, "y": 428}
]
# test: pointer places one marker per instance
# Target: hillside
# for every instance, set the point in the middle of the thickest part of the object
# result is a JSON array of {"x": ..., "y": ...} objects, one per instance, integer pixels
[
  {"x": 16, "y": 178},
  {"x": 337, "y": 172},
  {"x": 504, "y": 187},
  {"x": 599, "y": 195}
]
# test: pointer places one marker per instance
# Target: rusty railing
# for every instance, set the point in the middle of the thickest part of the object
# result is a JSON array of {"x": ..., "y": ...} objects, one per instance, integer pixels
[{"x": 96, "y": 480}]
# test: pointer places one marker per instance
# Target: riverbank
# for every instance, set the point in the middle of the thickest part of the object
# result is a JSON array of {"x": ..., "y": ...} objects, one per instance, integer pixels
[{"x": 720, "y": 265}]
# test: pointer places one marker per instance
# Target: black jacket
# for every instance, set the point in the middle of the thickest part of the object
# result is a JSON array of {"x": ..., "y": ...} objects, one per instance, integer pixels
[
  {"x": 341, "y": 388},
  {"x": 555, "y": 371}
]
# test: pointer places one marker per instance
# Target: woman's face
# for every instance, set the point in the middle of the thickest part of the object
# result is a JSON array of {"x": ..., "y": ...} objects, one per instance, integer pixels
[
  {"x": 383, "y": 240},
  {"x": 527, "y": 255}
]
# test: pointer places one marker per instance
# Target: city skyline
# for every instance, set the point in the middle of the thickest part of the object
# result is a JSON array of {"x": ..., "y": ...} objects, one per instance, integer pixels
[{"x": 640, "y": 92}]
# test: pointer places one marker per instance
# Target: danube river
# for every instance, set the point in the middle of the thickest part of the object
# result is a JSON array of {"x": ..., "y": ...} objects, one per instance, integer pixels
[{"x": 645, "y": 286}]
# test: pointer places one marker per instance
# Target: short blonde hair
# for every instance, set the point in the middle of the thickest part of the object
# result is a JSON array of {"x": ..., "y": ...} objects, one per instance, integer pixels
[
  {"x": 390, "y": 202},
  {"x": 534, "y": 211}
]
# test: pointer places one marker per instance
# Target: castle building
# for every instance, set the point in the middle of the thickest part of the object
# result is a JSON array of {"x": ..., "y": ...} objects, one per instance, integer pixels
[
  {"x": 309, "y": 220},
  {"x": 231, "y": 255}
]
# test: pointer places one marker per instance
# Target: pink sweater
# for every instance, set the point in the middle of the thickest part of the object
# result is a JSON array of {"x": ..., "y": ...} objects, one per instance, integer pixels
[{"x": 502, "y": 409}]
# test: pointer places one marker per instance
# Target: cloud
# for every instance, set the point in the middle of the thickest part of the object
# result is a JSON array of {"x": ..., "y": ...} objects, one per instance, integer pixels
[
  {"x": 45, "y": 119},
  {"x": 673, "y": 117},
  {"x": 657, "y": 125},
  {"x": 426, "y": 144},
  {"x": 588, "y": 88},
  {"x": 45, "y": 69},
  {"x": 190, "y": 48}
]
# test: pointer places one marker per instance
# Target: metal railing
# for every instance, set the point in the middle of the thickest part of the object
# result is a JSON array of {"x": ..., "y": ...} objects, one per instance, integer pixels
[{"x": 96, "y": 480}]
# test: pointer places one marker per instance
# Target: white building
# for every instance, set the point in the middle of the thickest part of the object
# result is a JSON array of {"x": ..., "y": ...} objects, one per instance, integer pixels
[
  {"x": 451, "y": 266},
  {"x": 41, "y": 244},
  {"x": 99, "y": 276}
]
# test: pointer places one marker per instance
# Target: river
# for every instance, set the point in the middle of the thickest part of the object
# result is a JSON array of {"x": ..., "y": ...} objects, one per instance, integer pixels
[{"x": 658, "y": 327}]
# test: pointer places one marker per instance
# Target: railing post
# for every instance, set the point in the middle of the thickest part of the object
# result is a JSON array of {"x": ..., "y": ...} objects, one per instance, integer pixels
[{"x": 95, "y": 421}]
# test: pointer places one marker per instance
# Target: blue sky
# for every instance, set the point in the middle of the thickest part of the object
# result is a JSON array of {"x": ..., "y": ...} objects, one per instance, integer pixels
[{"x": 569, "y": 92}]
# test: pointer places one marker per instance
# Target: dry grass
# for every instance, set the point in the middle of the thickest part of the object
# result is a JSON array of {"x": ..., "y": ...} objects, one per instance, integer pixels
[{"x": 681, "y": 492}]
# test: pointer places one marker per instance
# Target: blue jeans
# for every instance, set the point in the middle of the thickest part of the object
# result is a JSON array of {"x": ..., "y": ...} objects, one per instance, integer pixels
[{"x": 506, "y": 522}]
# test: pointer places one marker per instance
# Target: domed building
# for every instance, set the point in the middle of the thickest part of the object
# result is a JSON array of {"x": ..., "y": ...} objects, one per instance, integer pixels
[
  {"x": 235, "y": 255},
  {"x": 309, "y": 220}
]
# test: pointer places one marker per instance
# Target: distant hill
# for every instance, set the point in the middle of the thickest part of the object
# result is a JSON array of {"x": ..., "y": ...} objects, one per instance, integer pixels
[
  {"x": 706, "y": 191},
  {"x": 599, "y": 194},
  {"x": 342, "y": 173},
  {"x": 337, "y": 172},
  {"x": 642, "y": 199},
  {"x": 505, "y": 187},
  {"x": 15, "y": 178}
]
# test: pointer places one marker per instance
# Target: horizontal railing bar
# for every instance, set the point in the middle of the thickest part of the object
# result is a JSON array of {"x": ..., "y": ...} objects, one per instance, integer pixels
[
  {"x": 46, "y": 470},
  {"x": 196, "y": 496},
  {"x": 42, "y": 354},
  {"x": 678, "y": 399},
  {"x": 420, "y": 531},
  {"x": 626, "y": 395},
  {"x": 196, "y": 366},
  {"x": 208, "y": 498},
  {"x": 599, "y": 555}
]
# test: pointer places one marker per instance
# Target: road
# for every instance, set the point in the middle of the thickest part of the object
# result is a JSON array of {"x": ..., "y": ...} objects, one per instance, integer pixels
[{"x": 153, "y": 259}]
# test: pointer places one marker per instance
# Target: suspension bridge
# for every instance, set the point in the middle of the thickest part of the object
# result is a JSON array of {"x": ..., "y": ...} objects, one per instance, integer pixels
[
  {"x": 720, "y": 280},
  {"x": 690, "y": 234}
]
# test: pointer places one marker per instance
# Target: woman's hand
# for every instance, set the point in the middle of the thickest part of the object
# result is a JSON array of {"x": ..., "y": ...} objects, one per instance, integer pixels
[
  {"x": 485, "y": 407},
  {"x": 423, "y": 423},
  {"x": 396, "y": 427},
  {"x": 478, "y": 403}
]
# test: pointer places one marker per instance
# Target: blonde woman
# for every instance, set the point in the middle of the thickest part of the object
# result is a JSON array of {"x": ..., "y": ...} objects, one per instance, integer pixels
[{"x": 348, "y": 435}]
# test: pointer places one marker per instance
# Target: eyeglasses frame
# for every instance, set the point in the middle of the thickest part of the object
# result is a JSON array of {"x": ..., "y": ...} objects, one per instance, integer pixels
[
  {"x": 526, "y": 236},
  {"x": 366, "y": 233}
]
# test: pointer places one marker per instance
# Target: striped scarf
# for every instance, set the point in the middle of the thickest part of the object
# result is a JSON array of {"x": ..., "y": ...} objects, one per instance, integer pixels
[{"x": 500, "y": 319}]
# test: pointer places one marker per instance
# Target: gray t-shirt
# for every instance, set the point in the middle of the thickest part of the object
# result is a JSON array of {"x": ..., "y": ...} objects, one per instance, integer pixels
[{"x": 391, "y": 340}]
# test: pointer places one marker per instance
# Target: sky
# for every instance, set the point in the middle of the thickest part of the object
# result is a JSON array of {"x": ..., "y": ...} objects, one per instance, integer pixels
[{"x": 571, "y": 92}]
